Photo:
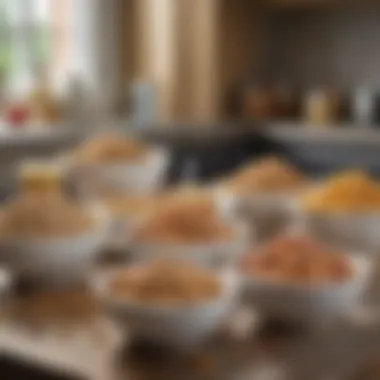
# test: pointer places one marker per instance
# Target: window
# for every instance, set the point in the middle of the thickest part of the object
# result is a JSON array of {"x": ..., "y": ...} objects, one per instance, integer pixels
[
  {"x": 70, "y": 38},
  {"x": 32, "y": 33}
]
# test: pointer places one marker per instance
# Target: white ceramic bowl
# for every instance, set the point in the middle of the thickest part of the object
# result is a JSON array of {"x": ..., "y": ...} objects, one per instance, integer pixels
[
  {"x": 179, "y": 326},
  {"x": 140, "y": 176},
  {"x": 311, "y": 304},
  {"x": 55, "y": 260},
  {"x": 122, "y": 232},
  {"x": 269, "y": 214},
  {"x": 205, "y": 254}
]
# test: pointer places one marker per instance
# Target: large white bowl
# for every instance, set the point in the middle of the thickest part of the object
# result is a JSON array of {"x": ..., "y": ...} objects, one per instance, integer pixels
[
  {"x": 307, "y": 303},
  {"x": 178, "y": 326},
  {"x": 55, "y": 260},
  {"x": 206, "y": 254},
  {"x": 140, "y": 176}
]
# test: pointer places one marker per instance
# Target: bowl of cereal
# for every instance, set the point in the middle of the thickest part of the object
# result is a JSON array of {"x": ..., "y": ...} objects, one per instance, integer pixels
[
  {"x": 113, "y": 163},
  {"x": 264, "y": 192},
  {"x": 344, "y": 210},
  {"x": 296, "y": 277},
  {"x": 46, "y": 236},
  {"x": 190, "y": 227},
  {"x": 129, "y": 211},
  {"x": 168, "y": 302}
]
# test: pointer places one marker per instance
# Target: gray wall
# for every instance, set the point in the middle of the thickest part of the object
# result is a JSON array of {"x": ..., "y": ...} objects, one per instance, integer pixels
[{"x": 312, "y": 47}]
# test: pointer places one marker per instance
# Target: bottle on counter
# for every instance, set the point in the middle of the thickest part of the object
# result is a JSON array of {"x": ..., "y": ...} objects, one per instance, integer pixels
[
  {"x": 364, "y": 106},
  {"x": 43, "y": 105},
  {"x": 76, "y": 104},
  {"x": 40, "y": 177},
  {"x": 322, "y": 107},
  {"x": 376, "y": 108},
  {"x": 259, "y": 102},
  {"x": 286, "y": 102},
  {"x": 144, "y": 102}
]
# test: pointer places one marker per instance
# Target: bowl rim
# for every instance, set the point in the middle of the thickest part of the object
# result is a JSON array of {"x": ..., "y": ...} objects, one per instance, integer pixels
[
  {"x": 240, "y": 234},
  {"x": 150, "y": 155},
  {"x": 249, "y": 195},
  {"x": 102, "y": 221},
  {"x": 229, "y": 280},
  {"x": 333, "y": 214},
  {"x": 363, "y": 271}
]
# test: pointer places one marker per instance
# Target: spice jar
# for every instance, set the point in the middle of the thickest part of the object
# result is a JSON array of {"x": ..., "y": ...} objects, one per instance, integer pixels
[
  {"x": 259, "y": 102},
  {"x": 322, "y": 106},
  {"x": 364, "y": 106},
  {"x": 43, "y": 105},
  {"x": 286, "y": 102},
  {"x": 40, "y": 178}
]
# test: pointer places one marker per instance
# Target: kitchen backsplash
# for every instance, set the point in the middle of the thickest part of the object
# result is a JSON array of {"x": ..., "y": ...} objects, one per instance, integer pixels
[{"x": 314, "y": 46}]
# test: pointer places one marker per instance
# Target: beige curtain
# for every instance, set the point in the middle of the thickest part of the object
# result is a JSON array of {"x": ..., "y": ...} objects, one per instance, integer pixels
[{"x": 177, "y": 51}]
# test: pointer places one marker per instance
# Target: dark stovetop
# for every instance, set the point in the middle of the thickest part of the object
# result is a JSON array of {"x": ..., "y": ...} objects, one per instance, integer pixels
[{"x": 15, "y": 369}]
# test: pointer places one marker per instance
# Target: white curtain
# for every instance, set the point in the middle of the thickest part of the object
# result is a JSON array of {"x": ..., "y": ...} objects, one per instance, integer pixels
[
  {"x": 91, "y": 31},
  {"x": 95, "y": 35}
]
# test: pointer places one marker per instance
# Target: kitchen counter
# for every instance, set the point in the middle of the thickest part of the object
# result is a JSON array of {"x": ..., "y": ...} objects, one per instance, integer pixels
[
  {"x": 321, "y": 150},
  {"x": 342, "y": 134},
  {"x": 38, "y": 136},
  {"x": 66, "y": 333}
]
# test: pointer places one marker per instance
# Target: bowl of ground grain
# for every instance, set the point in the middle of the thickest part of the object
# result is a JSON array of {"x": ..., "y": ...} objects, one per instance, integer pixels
[
  {"x": 46, "y": 236},
  {"x": 263, "y": 192},
  {"x": 297, "y": 277},
  {"x": 171, "y": 302},
  {"x": 113, "y": 163},
  {"x": 189, "y": 226},
  {"x": 345, "y": 210}
]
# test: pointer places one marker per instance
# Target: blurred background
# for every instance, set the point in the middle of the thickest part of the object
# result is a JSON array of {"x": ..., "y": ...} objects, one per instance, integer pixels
[
  {"x": 194, "y": 90},
  {"x": 204, "y": 77}
]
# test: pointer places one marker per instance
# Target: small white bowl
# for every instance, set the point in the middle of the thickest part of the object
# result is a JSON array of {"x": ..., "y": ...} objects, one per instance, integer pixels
[
  {"x": 311, "y": 304},
  {"x": 139, "y": 176},
  {"x": 205, "y": 254},
  {"x": 268, "y": 213},
  {"x": 55, "y": 260},
  {"x": 178, "y": 326}
]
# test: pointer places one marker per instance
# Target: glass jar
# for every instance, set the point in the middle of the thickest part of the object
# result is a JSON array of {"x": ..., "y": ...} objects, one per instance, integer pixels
[
  {"x": 322, "y": 107},
  {"x": 40, "y": 178}
]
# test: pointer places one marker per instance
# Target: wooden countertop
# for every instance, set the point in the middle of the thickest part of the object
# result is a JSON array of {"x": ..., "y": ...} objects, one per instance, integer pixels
[{"x": 66, "y": 331}]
